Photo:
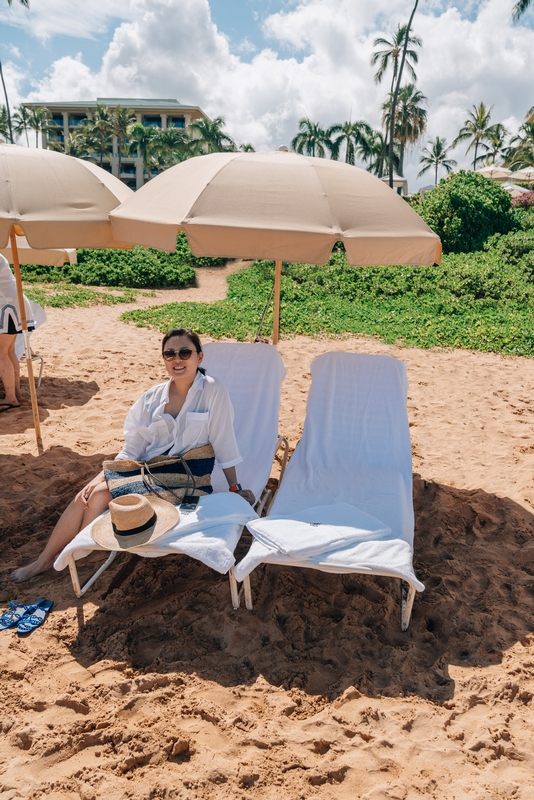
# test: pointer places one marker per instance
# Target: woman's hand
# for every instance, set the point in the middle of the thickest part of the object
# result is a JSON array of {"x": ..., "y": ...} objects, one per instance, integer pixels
[
  {"x": 247, "y": 495},
  {"x": 85, "y": 493}
]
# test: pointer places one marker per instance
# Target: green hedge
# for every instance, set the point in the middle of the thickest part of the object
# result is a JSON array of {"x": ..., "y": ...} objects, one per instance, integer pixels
[
  {"x": 477, "y": 301},
  {"x": 465, "y": 209},
  {"x": 138, "y": 268}
]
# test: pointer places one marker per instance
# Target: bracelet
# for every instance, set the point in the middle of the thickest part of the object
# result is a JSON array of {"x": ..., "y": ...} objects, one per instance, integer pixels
[{"x": 236, "y": 488}]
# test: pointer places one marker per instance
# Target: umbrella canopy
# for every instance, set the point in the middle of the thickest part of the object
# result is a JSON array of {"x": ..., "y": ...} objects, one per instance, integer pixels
[
  {"x": 276, "y": 206},
  {"x": 48, "y": 258},
  {"x": 526, "y": 174},
  {"x": 495, "y": 173},
  {"x": 57, "y": 200}
]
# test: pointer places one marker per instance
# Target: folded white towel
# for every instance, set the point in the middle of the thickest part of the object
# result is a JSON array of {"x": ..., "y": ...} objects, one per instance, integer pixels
[
  {"x": 317, "y": 530},
  {"x": 209, "y": 534}
]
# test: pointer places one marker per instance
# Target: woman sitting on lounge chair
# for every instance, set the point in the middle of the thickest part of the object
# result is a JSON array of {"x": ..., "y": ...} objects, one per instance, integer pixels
[{"x": 189, "y": 410}]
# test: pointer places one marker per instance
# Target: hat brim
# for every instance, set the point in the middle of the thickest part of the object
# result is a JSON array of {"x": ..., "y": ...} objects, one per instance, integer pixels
[{"x": 167, "y": 517}]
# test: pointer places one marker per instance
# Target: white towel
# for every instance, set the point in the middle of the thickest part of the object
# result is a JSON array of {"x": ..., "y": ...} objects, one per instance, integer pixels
[
  {"x": 317, "y": 530},
  {"x": 252, "y": 374},
  {"x": 355, "y": 448},
  {"x": 209, "y": 534}
]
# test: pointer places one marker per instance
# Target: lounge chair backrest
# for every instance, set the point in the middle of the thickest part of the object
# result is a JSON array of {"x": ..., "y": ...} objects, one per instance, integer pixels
[
  {"x": 355, "y": 441},
  {"x": 252, "y": 374}
]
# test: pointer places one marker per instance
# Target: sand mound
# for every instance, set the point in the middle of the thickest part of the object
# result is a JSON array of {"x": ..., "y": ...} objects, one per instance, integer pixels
[{"x": 151, "y": 686}]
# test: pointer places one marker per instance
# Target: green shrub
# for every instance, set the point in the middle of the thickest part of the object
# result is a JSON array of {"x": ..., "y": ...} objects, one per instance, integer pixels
[
  {"x": 475, "y": 301},
  {"x": 187, "y": 257},
  {"x": 465, "y": 209},
  {"x": 512, "y": 247}
]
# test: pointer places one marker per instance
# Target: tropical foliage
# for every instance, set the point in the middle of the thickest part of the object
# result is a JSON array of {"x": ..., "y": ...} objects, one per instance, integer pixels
[
  {"x": 477, "y": 129},
  {"x": 481, "y": 301},
  {"x": 465, "y": 209},
  {"x": 436, "y": 156},
  {"x": 137, "y": 268},
  {"x": 410, "y": 120}
]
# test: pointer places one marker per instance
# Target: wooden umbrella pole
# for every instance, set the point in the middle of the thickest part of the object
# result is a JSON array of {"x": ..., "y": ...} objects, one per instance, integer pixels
[
  {"x": 27, "y": 349},
  {"x": 276, "y": 320}
]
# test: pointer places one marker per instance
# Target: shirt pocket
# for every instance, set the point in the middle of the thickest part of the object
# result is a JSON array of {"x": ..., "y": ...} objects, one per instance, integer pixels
[{"x": 196, "y": 429}]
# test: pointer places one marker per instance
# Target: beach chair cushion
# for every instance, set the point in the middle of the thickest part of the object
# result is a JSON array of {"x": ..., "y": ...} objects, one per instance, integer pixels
[{"x": 355, "y": 449}]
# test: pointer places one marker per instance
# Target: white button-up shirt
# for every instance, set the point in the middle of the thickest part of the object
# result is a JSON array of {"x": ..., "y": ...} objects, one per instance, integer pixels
[
  {"x": 9, "y": 301},
  {"x": 206, "y": 417}
]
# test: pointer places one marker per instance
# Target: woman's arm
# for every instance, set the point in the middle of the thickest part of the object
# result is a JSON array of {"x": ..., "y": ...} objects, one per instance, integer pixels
[{"x": 231, "y": 476}]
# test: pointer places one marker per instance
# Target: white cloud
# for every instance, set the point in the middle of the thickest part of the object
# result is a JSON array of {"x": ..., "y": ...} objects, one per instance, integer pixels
[
  {"x": 46, "y": 18},
  {"x": 318, "y": 63}
]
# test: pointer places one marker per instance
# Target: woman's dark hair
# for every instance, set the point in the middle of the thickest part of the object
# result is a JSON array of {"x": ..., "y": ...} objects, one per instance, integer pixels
[{"x": 191, "y": 335}]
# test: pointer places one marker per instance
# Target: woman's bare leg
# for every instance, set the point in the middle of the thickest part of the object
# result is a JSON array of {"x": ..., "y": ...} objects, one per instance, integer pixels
[
  {"x": 75, "y": 517},
  {"x": 16, "y": 367},
  {"x": 7, "y": 372}
]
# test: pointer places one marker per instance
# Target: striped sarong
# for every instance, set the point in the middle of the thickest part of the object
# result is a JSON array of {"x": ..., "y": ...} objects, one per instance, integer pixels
[{"x": 170, "y": 477}]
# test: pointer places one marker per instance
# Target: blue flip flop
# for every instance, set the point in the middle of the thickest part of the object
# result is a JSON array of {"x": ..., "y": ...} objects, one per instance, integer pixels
[
  {"x": 16, "y": 612},
  {"x": 30, "y": 622}
]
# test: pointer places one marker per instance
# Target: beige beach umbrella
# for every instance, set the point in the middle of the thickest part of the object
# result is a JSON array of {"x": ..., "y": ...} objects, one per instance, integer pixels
[
  {"x": 495, "y": 173},
  {"x": 526, "y": 174},
  {"x": 55, "y": 257},
  {"x": 278, "y": 206},
  {"x": 54, "y": 201}
]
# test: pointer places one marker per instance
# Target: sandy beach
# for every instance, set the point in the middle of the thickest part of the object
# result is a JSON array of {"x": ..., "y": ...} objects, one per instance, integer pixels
[{"x": 152, "y": 686}]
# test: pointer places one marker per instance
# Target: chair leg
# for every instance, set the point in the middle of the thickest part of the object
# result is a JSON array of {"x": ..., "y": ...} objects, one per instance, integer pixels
[
  {"x": 248, "y": 593},
  {"x": 407, "y": 598},
  {"x": 80, "y": 591},
  {"x": 233, "y": 589}
]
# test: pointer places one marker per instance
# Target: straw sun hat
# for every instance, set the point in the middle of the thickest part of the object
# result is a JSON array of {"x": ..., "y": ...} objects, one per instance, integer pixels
[{"x": 134, "y": 520}]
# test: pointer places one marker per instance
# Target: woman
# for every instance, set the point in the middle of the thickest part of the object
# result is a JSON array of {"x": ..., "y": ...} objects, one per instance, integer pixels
[
  {"x": 10, "y": 326},
  {"x": 189, "y": 410}
]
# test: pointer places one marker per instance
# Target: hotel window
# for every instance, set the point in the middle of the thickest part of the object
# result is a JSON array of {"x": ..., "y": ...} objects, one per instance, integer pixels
[
  {"x": 152, "y": 122},
  {"x": 176, "y": 122}
]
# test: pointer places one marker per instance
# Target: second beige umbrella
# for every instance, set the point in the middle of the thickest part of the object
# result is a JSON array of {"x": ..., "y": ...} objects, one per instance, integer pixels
[
  {"x": 55, "y": 257},
  {"x": 55, "y": 201},
  {"x": 526, "y": 174},
  {"x": 495, "y": 173},
  {"x": 278, "y": 206}
]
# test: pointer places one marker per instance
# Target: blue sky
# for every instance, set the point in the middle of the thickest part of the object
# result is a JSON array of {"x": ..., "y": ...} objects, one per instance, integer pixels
[{"x": 263, "y": 64}]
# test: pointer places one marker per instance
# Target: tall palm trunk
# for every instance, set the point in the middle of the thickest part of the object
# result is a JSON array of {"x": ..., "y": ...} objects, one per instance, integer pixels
[
  {"x": 475, "y": 158},
  {"x": 396, "y": 94},
  {"x": 436, "y": 175}
]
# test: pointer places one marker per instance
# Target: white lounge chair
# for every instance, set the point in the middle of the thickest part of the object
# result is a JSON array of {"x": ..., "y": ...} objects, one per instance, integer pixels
[
  {"x": 252, "y": 374},
  {"x": 345, "y": 503}
]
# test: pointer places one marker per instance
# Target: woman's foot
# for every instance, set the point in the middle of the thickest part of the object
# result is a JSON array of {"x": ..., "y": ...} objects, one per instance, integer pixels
[
  {"x": 25, "y": 573},
  {"x": 4, "y": 406}
]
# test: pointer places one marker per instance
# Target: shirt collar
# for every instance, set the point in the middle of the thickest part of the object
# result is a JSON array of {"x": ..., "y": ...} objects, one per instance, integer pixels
[{"x": 197, "y": 385}]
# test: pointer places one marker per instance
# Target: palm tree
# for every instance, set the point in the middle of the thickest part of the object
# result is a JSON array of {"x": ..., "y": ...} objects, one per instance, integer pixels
[
  {"x": 436, "y": 156},
  {"x": 21, "y": 122},
  {"x": 143, "y": 142},
  {"x": 311, "y": 139},
  {"x": 411, "y": 119},
  {"x": 39, "y": 121},
  {"x": 477, "y": 128},
  {"x": 121, "y": 119},
  {"x": 246, "y": 148},
  {"x": 351, "y": 134},
  {"x": 519, "y": 9},
  {"x": 100, "y": 125},
  {"x": 520, "y": 153},
  {"x": 25, "y": 3},
  {"x": 211, "y": 135},
  {"x": 392, "y": 54},
  {"x": 497, "y": 135},
  {"x": 174, "y": 145},
  {"x": 374, "y": 151},
  {"x": 4, "y": 122},
  {"x": 397, "y": 89}
]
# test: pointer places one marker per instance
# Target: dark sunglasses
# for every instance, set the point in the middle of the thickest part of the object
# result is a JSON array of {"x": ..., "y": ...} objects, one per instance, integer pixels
[{"x": 184, "y": 354}]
